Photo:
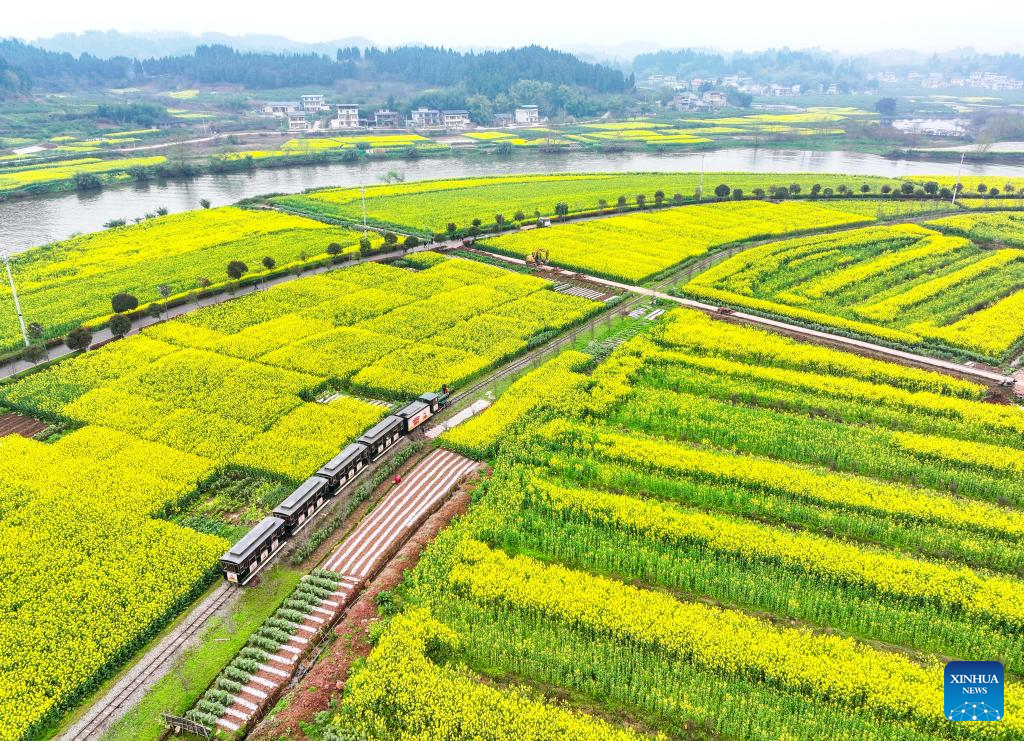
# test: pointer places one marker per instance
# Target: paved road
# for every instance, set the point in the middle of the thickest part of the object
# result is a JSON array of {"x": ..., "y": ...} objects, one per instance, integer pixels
[
  {"x": 981, "y": 374},
  {"x": 200, "y": 140},
  {"x": 103, "y": 335},
  {"x": 12, "y": 368}
]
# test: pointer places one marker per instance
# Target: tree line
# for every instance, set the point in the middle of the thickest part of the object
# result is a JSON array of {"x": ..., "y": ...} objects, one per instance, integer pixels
[{"x": 486, "y": 73}]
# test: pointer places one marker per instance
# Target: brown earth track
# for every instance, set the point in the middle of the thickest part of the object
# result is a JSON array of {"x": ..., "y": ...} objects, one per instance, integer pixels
[{"x": 326, "y": 679}]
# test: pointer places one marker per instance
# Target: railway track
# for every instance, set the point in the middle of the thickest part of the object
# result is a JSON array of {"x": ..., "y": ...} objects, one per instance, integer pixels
[
  {"x": 122, "y": 696},
  {"x": 848, "y": 343},
  {"x": 564, "y": 340},
  {"x": 359, "y": 557}
]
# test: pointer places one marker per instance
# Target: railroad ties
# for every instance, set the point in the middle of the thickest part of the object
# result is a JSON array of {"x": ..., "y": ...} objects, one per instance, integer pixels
[{"x": 374, "y": 541}]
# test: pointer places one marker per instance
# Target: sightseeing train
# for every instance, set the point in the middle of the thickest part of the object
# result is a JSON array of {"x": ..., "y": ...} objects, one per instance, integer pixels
[{"x": 250, "y": 554}]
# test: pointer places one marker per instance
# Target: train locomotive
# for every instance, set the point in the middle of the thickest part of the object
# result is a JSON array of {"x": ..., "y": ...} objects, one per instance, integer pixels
[{"x": 256, "y": 548}]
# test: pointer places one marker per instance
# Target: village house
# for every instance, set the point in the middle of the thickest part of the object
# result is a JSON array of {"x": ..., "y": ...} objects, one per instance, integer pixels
[
  {"x": 313, "y": 103},
  {"x": 280, "y": 108},
  {"x": 714, "y": 98},
  {"x": 347, "y": 117},
  {"x": 385, "y": 119},
  {"x": 455, "y": 119},
  {"x": 426, "y": 118},
  {"x": 527, "y": 115}
]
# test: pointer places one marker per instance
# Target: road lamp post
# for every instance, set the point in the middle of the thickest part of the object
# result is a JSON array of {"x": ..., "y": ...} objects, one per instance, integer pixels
[
  {"x": 14, "y": 293},
  {"x": 956, "y": 187}
]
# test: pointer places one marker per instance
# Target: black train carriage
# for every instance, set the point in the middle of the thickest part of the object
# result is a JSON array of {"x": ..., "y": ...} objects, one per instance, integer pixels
[
  {"x": 345, "y": 466},
  {"x": 382, "y": 435},
  {"x": 246, "y": 557},
  {"x": 413, "y": 415},
  {"x": 302, "y": 503},
  {"x": 252, "y": 552}
]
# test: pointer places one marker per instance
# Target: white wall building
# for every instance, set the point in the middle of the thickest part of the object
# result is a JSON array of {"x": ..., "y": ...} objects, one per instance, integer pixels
[
  {"x": 385, "y": 119},
  {"x": 280, "y": 108},
  {"x": 297, "y": 121},
  {"x": 527, "y": 115},
  {"x": 313, "y": 103},
  {"x": 455, "y": 119},
  {"x": 347, "y": 117},
  {"x": 714, "y": 98},
  {"x": 426, "y": 118}
]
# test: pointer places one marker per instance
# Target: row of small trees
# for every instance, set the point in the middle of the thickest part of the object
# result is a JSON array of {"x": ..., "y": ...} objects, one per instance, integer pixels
[
  {"x": 123, "y": 302},
  {"x": 723, "y": 190}
]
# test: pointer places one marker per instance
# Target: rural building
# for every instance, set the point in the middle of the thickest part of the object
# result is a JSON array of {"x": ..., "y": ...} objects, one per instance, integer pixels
[
  {"x": 426, "y": 118},
  {"x": 686, "y": 102},
  {"x": 455, "y": 119},
  {"x": 502, "y": 120},
  {"x": 297, "y": 121},
  {"x": 528, "y": 115},
  {"x": 385, "y": 119},
  {"x": 347, "y": 117},
  {"x": 280, "y": 108},
  {"x": 714, "y": 98},
  {"x": 313, "y": 103}
]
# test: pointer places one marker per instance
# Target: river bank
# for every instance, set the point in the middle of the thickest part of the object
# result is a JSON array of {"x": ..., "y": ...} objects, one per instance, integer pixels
[{"x": 31, "y": 222}]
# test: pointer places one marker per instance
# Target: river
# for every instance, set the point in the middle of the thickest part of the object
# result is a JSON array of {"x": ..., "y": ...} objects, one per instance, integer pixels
[{"x": 33, "y": 221}]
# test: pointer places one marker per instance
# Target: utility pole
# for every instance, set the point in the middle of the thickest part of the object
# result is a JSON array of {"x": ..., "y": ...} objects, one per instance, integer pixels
[
  {"x": 956, "y": 188},
  {"x": 362, "y": 192},
  {"x": 14, "y": 292},
  {"x": 700, "y": 188}
]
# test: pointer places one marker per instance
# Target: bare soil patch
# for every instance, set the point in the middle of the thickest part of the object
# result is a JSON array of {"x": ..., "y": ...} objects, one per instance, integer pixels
[
  {"x": 326, "y": 679},
  {"x": 16, "y": 424}
]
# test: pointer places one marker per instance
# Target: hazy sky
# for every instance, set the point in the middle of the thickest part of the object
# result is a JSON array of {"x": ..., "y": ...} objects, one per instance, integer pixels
[{"x": 857, "y": 26}]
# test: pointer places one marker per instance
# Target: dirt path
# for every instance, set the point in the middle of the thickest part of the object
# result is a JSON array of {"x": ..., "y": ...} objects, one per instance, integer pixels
[{"x": 326, "y": 679}]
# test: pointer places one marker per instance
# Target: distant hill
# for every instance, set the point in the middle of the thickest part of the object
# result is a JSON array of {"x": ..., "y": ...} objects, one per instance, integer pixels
[
  {"x": 110, "y": 44},
  {"x": 466, "y": 73}
]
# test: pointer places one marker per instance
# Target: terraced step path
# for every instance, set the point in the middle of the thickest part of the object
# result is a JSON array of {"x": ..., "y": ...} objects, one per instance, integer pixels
[{"x": 362, "y": 554}]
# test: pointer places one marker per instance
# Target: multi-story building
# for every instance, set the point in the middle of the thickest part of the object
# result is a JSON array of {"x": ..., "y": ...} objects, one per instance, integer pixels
[
  {"x": 503, "y": 119},
  {"x": 385, "y": 119},
  {"x": 347, "y": 117},
  {"x": 297, "y": 121},
  {"x": 686, "y": 102},
  {"x": 313, "y": 103},
  {"x": 527, "y": 115},
  {"x": 455, "y": 119},
  {"x": 426, "y": 118},
  {"x": 714, "y": 98}
]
